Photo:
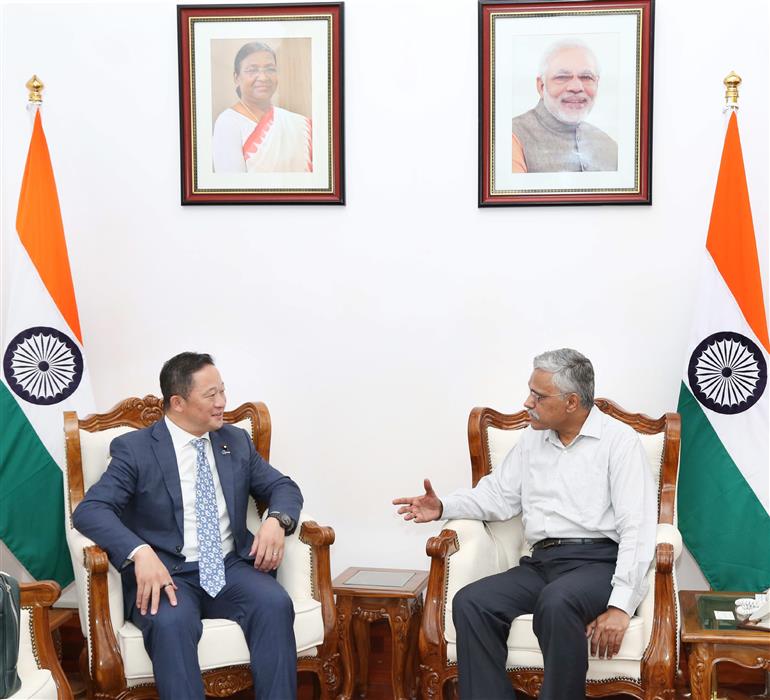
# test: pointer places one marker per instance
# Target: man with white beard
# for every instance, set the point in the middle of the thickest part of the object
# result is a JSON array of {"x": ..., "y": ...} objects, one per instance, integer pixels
[{"x": 554, "y": 137}]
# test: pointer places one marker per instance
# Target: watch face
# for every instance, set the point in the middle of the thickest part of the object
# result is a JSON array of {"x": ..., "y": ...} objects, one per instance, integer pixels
[{"x": 285, "y": 520}]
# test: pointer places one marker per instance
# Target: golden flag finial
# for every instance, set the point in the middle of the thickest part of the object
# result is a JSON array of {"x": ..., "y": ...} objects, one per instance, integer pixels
[
  {"x": 35, "y": 87},
  {"x": 732, "y": 82}
]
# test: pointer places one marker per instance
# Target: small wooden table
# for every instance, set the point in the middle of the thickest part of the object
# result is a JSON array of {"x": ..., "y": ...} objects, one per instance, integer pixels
[
  {"x": 365, "y": 595},
  {"x": 711, "y": 640}
]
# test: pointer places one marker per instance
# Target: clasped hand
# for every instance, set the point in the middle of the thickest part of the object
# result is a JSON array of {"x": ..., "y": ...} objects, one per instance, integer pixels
[
  {"x": 606, "y": 632},
  {"x": 268, "y": 546}
]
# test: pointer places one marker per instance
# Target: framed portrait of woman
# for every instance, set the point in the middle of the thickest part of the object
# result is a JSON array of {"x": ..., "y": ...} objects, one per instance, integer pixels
[
  {"x": 565, "y": 102},
  {"x": 261, "y": 103}
]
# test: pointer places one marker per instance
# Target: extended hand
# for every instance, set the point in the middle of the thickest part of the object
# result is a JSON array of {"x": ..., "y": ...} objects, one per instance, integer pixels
[
  {"x": 421, "y": 509},
  {"x": 606, "y": 632},
  {"x": 152, "y": 577},
  {"x": 268, "y": 545}
]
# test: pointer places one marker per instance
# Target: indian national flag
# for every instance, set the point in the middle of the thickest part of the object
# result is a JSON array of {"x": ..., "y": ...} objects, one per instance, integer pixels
[
  {"x": 724, "y": 477},
  {"x": 44, "y": 374}
]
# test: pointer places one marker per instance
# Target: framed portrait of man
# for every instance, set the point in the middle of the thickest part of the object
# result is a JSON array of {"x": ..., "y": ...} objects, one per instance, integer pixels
[
  {"x": 261, "y": 103},
  {"x": 565, "y": 102}
]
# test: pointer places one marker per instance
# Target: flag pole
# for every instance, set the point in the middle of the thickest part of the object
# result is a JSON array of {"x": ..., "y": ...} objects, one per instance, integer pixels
[
  {"x": 731, "y": 83},
  {"x": 35, "y": 98},
  {"x": 35, "y": 87}
]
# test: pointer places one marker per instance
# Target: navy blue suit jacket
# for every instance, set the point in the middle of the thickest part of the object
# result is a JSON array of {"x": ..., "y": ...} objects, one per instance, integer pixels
[{"x": 138, "y": 499}]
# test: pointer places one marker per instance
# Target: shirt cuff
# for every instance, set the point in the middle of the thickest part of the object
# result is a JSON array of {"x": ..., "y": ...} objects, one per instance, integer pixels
[
  {"x": 627, "y": 599},
  {"x": 135, "y": 550},
  {"x": 450, "y": 511}
]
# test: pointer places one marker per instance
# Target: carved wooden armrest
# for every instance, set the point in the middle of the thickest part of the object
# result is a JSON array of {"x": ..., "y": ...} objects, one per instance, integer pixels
[
  {"x": 319, "y": 538},
  {"x": 38, "y": 597},
  {"x": 106, "y": 664},
  {"x": 659, "y": 661},
  {"x": 439, "y": 549}
]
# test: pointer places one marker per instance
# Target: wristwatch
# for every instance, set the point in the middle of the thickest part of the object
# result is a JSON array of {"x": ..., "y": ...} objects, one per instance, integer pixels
[{"x": 286, "y": 521}]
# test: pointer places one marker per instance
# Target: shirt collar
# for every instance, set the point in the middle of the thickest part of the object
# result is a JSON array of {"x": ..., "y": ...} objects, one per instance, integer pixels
[
  {"x": 180, "y": 437},
  {"x": 592, "y": 427}
]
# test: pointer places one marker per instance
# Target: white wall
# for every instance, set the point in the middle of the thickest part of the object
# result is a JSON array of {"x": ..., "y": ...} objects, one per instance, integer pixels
[{"x": 371, "y": 330}]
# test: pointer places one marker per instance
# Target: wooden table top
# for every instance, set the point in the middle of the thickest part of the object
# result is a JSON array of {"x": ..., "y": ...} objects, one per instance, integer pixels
[
  {"x": 411, "y": 589},
  {"x": 693, "y": 630},
  {"x": 58, "y": 616}
]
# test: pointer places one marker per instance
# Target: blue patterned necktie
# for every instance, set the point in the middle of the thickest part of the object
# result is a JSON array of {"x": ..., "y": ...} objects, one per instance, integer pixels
[{"x": 211, "y": 567}]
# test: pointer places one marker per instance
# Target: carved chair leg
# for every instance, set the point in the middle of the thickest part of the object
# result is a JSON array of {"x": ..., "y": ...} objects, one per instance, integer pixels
[
  {"x": 431, "y": 685},
  {"x": 330, "y": 677}
]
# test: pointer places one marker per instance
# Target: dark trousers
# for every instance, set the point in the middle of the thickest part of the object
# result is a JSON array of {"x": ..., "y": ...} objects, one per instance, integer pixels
[
  {"x": 566, "y": 587},
  {"x": 253, "y": 599}
]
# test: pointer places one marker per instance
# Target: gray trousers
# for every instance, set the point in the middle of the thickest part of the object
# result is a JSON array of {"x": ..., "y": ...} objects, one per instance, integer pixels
[{"x": 566, "y": 587}]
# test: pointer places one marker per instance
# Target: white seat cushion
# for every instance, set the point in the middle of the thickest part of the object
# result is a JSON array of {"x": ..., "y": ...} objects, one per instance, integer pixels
[
  {"x": 523, "y": 637},
  {"x": 37, "y": 685},
  {"x": 35, "y": 682},
  {"x": 222, "y": 642},
  {"x": 524, "y": 651}
]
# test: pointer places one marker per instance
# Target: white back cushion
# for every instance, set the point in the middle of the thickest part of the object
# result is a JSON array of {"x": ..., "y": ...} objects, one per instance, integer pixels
[
  {"x": 509, "y": 534},
  {"x": 500, "y": 443}
]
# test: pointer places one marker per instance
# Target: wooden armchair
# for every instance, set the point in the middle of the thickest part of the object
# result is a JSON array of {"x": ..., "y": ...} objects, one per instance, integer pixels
[
  {"x": 38, "y": 666},
  {"x": 468, "y": 550},
  {"x": 115, "y": 663}
]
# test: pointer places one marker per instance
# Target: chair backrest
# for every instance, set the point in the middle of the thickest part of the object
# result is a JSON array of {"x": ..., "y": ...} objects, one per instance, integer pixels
[
  {"x": 88, "y": 439},
  {"x": 491, "y": 435}
]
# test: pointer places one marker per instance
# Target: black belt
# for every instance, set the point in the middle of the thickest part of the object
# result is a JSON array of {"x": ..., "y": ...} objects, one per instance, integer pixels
[{"x": 552, "y": 542}]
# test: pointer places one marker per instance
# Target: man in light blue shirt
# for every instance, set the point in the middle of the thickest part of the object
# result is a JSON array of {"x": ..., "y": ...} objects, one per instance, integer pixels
[{"x": 580, "y": 480}]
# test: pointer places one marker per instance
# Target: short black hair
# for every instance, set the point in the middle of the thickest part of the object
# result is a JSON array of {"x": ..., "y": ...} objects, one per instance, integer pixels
[{"x": 176, "y": 375}]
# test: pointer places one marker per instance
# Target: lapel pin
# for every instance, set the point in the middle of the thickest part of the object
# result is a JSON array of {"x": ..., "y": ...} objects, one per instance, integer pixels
[{"x": 225, "y": 451}]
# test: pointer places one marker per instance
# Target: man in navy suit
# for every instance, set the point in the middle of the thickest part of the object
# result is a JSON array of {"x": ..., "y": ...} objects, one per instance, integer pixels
[{"x": 170, "y": 511}]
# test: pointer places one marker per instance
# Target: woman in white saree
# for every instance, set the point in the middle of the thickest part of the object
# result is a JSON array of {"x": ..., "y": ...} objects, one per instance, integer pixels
[{"x": 254, "y": 135}]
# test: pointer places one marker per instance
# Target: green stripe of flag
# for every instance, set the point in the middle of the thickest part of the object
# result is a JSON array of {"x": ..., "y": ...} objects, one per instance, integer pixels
[
  {"x": 722, "y": 521},
  {"x": 31, "y": 497}
]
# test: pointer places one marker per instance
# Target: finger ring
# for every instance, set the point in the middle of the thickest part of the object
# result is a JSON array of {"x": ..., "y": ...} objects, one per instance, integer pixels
[
  {"x": 275, "y": 554},
  {"x": 166, "y": 585}
]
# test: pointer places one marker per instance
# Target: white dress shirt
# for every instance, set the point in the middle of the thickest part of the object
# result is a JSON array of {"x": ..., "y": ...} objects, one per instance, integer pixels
[
  {"x": 600, "y": 485},
  {"x": 186, "y": 459}
]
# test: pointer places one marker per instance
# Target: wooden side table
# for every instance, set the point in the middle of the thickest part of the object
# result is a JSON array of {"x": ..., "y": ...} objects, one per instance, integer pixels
[
  {"x": 711, "y": 640},
  {"x": 365, "y": 595},
  {"x": 56, "y": 618}
]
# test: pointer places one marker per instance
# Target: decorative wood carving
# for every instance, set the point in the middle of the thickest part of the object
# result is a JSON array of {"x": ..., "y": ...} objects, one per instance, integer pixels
[
  {"x": 429, "y": 683},
  {"x": 104, "y": 674},
  {"x": 528, "y": 682},
  {"x": 223, "y": 682},
  {"x": 700, "y": 671},
  {"x": 37, "y": 598},
  {"x": 658, "y": 666},
  {"x": 331, "y": 669}
]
